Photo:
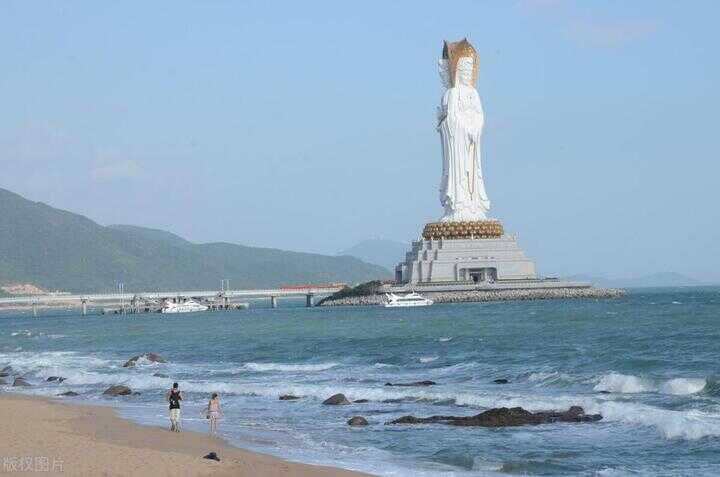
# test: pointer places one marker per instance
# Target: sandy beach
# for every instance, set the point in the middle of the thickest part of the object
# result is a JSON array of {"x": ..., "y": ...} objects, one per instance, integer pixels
[{"x": 46, "y": 437}]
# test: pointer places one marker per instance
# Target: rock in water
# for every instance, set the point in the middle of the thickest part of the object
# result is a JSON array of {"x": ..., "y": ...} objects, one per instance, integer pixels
[
  {"x": 55, "y": 379},
  {"x": 416, "y": 383},
  {"x": 336, "y": 400},
  {"x": 212, "y": 456},
  {"x": 20, "y": 382},
  {"x": 357, "y": 421},
  {"x": 501, "y": 381},
  {"x": 117, "y": 390},
  {"x": 360, "y": 401},
  {"x": 6, "y": 371},
  {"x": 288, "y": 397},
  {"x": 502, "y": 417},
  {"x": 69, "y": 393},
  {"x": 161, "y": 375},
  {"x": 152, "y": 357},
  {"x": 2, "y": 381}
]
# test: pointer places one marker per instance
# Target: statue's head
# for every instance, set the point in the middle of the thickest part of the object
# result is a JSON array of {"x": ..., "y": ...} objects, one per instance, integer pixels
[{"x": 462, "y": 62}]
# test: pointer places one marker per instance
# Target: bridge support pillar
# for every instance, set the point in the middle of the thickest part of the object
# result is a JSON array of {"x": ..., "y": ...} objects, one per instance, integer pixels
[
  {"x": 273, "y": 302},
  {"x": 309, "y": 300},
  {"x": 84, "y": 307}
]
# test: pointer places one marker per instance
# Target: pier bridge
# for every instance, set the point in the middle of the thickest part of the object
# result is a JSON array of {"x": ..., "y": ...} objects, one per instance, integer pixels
[{"x": 223, "y": 297}]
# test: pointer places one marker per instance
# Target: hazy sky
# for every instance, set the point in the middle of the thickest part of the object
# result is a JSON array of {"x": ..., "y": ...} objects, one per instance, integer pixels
[{"x": 310, "y": 125}]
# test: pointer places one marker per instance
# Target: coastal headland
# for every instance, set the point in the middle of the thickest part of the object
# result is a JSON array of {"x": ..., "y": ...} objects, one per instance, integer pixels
[{"x": 48, "y": 437}]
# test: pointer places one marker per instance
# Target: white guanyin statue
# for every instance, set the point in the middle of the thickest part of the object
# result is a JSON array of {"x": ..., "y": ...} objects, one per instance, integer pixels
[{"x": 460, "y": 123}]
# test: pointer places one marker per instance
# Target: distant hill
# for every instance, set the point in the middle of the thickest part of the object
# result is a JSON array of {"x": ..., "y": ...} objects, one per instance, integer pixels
[
  {"x": 386, "y": 253},
  {"x": 58, "y": 250},
  {"x": 668, "y": 279}
]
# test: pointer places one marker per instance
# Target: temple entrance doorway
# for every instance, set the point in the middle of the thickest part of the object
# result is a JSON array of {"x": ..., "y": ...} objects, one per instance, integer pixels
[{"x": 486, "y": 274}]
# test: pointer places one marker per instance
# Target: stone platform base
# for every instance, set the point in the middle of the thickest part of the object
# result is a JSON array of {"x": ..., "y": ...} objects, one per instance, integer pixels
[{"x": 480, "y": 260}]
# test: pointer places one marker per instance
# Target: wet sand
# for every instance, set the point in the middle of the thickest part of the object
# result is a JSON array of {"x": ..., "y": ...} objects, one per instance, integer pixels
[{"x": 47, "y": 437}]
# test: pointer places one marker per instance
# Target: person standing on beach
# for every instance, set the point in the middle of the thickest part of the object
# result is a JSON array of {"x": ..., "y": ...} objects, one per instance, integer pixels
[
  {"x": 174, "y": 396},
  {"x": 214, "y": 412}
]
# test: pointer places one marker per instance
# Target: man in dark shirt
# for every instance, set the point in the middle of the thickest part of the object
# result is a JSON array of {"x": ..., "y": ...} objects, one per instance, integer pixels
[{"x": 174, "y": 396}]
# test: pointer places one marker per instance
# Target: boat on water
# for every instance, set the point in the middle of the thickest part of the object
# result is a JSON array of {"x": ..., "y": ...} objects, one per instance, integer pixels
[
  {"x": 188, "y": 306},
  {"x": 411, "y": 299}
]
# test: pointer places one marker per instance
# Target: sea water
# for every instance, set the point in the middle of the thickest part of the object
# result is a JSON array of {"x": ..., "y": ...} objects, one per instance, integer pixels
[{"x": 647, "y": 362}]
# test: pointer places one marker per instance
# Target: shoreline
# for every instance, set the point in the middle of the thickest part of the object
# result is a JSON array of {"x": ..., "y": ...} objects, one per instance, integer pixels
[
  {"x": 49, "y": 437},
  {"x": 479, "y": 296}
]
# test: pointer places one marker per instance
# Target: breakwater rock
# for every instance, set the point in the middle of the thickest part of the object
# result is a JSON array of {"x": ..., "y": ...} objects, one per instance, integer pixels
[
  {"x": 485, "y": 295},
  {"x": 504, "y": 417}
]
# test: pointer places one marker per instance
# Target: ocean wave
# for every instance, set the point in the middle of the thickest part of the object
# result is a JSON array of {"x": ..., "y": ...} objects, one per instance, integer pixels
[
  {"x": 289, "y": 368},
  {"x": 551, "y": 378},
  {"x": 688, "y": 425},
  {"x": 445, "y": 339},
  {"x": 385, "y": 365},
  {"x": 629, "y": 384},
  {"x": 427, "y": 359},
  {"x": 624, "y": 383},
  {"x": 456, "y": 368}
]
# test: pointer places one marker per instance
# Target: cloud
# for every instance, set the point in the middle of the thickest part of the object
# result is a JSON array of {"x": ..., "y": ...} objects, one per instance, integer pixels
[
  {"x": 112, "y": 165},
  {"x": 597, "y": 34}
]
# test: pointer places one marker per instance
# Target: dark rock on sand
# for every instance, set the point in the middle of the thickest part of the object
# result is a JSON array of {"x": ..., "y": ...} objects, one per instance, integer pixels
[
  {"x": 502, "y": 417},
  {"x": 55, "y": 379},
  {"x": 357, "y": 421},
  {"x": 117, "y": 390},
  {"x": 212, "y": 456},
  {"x": 361, "y": 401},
  {"x": 416, "y": 383},
  {"x": 69, "y": 393},
  {"x": 20, "y": 382},
  {"x": 161, "y": 375},
  {"x": 288, "y": 397},
  {"x": 501, "y": 381},
  {"x": 336, "y": 400},
  {"x": 152, "y": 357}
]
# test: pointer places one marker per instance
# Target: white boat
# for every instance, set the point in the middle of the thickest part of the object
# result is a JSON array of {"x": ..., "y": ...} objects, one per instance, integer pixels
[
  {"x": 188, "y": 306},
  {"x": 411, "y": 299}
]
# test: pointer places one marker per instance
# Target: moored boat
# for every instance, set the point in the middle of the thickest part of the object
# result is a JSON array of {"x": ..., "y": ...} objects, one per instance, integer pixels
[
  {"x": 188, "y": 306},
  {"x": 411, "y": 299}
]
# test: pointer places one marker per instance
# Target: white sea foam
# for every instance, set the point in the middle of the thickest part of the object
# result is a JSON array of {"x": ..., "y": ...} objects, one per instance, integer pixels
[
  {"x": 385, "y": 365},
  {"x": 443, "y": 340},
  {"x": 680, "y": 386},
  {"x": 629, "y": 384},
  {"x": 624, "y": 383},
  {"x": 427, "y": 359},
  {"x": 289, "y": 368},
  {"x": 689, "y": 425}
]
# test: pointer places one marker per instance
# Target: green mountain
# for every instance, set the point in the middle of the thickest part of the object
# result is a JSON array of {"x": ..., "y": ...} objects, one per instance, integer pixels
[{"x": 56, "y": 249}]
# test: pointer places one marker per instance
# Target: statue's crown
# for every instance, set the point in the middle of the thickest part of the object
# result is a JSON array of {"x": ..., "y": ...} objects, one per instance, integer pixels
[{"x": 453, "y": 51}]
